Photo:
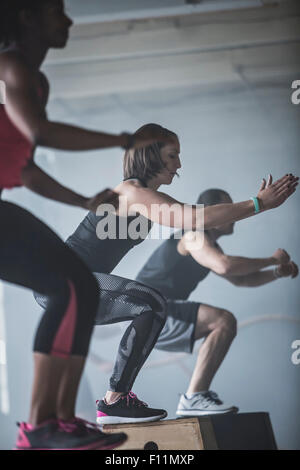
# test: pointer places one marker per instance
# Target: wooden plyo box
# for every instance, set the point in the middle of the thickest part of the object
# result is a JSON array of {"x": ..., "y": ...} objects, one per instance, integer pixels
[
  {"x": 242, "y": 431},
  {"x": 173, "y": 434}
]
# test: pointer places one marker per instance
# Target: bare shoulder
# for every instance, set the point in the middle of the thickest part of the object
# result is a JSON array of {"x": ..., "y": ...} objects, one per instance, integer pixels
[
  {"x": 193, "y": 236},
  {"x": 194, "y": 240},
  {"x": 11, "y": 60},
  {"x": 130, "y": 192},
  {"x": 13, "y": 67},
  {"x": 181, "y": 247},
  {"x": 129, "y": 188}
]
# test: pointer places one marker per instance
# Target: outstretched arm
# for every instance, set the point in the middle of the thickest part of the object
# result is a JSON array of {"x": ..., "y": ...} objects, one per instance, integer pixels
[
  {"x": 24, "y": 107},
  {"x": 241, "y": 271},
  {"x": 264, "y": 277},
  {"x": 206, "y": 253},
  {"x": 165, "y": 210}
]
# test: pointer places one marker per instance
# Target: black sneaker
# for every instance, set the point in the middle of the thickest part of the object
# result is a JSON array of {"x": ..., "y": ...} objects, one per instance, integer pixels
[
  {"x": 128, "y": 409},
  {"x": 61, "y": 435}
]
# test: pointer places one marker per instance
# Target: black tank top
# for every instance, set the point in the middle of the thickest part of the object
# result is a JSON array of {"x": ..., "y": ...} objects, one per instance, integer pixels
[
  {"x": 174, "y": 275},
  {"x": 103, "y": 255}
]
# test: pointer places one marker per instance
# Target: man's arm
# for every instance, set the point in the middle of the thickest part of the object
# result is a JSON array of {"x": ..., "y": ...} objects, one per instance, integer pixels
[{"x": 212, "y": 257}]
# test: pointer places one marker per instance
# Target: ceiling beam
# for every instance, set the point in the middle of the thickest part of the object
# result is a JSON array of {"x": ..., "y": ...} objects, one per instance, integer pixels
[
  {"x": 171, "y": 40},
  {"x": 145, "y": 74},
  {"x": 197, "y": 50},
  {"x": 170, "y": 12}
]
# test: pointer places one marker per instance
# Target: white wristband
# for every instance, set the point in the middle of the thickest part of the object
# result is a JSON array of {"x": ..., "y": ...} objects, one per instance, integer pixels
[{"x": 276, "y": 275}]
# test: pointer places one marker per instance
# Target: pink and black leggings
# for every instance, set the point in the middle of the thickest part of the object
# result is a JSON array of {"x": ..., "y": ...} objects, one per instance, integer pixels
[{"x": 33, "y": 256}]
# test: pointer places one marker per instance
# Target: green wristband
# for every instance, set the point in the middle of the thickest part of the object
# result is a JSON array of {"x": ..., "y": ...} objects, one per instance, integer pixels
[{"x": 256, "y": 205}]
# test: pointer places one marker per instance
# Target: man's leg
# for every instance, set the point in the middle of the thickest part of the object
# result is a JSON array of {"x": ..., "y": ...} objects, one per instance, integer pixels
[
  {"x": 219, "y": 329},
  {"x": 186, "y": 323}
]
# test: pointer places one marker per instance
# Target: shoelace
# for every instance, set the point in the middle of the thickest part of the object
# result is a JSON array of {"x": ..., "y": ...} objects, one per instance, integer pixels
[
  {"x": 214, "y": 397},
  {"x": 132, "y": 400},
  {"x": 209, "y": 398}
]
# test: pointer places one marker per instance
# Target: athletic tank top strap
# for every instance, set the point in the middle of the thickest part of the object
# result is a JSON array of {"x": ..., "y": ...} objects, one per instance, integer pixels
[{"x": 141, "y": 180}]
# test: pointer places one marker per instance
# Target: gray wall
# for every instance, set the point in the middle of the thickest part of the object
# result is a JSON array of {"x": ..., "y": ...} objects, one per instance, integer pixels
[{"x": 230, "y": 138}]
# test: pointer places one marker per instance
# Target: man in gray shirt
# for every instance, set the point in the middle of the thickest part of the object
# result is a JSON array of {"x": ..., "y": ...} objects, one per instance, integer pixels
[{"x": 175, "y": 269}]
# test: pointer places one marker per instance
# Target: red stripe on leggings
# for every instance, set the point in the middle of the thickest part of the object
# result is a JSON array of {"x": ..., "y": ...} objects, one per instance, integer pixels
[{"x": 63, "y": 341}]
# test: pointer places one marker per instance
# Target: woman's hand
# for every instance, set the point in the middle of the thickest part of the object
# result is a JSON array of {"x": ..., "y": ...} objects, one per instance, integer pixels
[
  {"x": 104, "y": 197},
  {"x": 272, "y": 195},
  {"x": 146, "y": 137}
]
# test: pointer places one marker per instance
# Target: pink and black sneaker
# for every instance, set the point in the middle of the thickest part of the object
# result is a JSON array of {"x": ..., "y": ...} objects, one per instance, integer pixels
[
  {"x": 127, "y": 409},
  {"x": 61, "y": 435}
]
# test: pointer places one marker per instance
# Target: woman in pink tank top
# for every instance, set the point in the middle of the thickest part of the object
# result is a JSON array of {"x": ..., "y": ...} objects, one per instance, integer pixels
[{"x": 31, "y": 255}]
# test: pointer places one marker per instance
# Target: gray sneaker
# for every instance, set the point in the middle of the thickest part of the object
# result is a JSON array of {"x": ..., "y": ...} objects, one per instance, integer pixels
[{"x": 203, "y": 403}]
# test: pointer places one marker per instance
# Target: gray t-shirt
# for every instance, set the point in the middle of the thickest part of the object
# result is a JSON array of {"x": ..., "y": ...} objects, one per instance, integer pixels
[{"x": 174, "y": 275}]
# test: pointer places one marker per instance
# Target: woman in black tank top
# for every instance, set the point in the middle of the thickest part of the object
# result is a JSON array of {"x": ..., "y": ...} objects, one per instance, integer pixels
[{"x": 31, "y": 255}]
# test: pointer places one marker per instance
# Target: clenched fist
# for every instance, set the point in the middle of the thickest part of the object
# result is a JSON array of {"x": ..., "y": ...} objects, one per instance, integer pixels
[
  {"x": 286, "y": 270},
  {"x": 281, "y": 256}
]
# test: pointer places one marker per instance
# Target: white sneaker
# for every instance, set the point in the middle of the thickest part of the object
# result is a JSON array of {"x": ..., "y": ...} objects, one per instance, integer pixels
[{"x": 203, "y": 403}]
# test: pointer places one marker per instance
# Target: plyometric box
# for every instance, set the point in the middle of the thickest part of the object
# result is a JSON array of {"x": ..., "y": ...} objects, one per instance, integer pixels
[{"x": 243, "y": 431}]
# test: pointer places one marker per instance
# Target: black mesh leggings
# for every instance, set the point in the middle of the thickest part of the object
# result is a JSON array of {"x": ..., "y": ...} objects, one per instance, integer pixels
[
  {"x": 31, "y": 255},
  {"x": 122, "y": 300}
]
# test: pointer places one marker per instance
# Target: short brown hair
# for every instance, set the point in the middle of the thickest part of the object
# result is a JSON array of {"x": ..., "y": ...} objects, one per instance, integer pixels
[
  {"x": 212, "y": 196},
  {"x": 145, "y": 162}
]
